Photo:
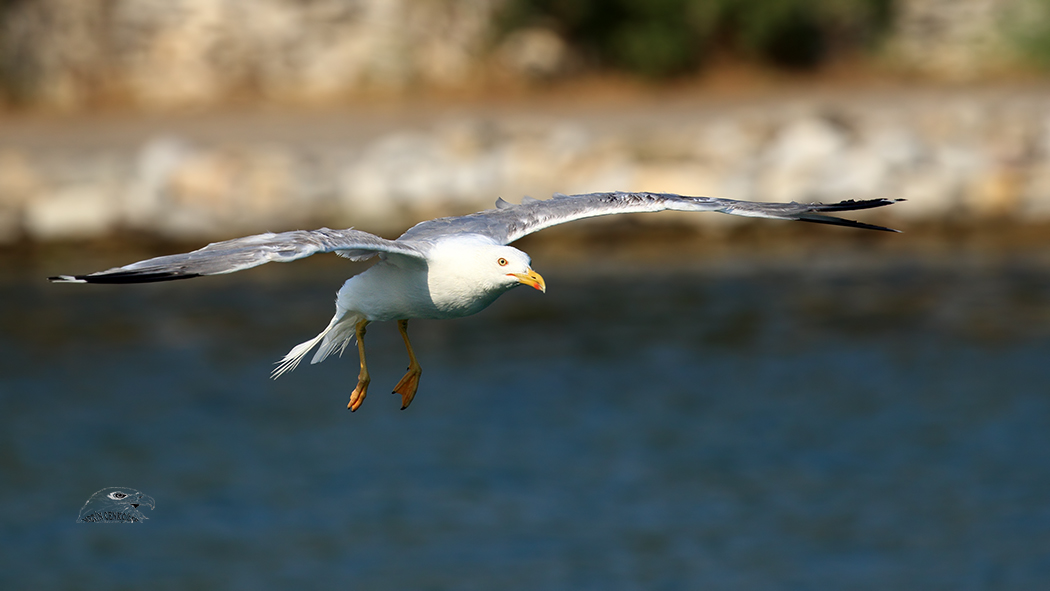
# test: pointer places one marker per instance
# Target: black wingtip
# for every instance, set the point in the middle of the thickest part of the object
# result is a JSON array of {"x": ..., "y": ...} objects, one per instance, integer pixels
[
  {"x": 833, "y": 221},
  {"x": 122, "y": 278},
  {"x": 849, "y": 205},
  {"x": 853, "y": 205}
]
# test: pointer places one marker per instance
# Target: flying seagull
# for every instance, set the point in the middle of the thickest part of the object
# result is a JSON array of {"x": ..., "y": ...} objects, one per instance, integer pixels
[{"x": 443, "y": 268}]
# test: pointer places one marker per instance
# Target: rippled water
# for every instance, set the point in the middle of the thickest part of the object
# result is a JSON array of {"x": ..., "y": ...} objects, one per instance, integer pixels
[{"x": 871, "y": 425}]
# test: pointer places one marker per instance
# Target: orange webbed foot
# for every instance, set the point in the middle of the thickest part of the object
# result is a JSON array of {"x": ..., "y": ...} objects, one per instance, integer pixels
[
  {"x": 407, "y": 386},
  {"x": 358, "y": 395}
]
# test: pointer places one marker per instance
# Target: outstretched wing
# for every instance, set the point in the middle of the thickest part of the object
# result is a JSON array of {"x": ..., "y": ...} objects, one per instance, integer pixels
[
  {"x": 508, "y": 222},
  {"x": 251, "y": 251}
]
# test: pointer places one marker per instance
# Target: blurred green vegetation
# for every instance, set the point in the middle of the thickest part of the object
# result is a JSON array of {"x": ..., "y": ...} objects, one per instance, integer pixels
[
  {"x": 1027, "y": 25},
  {"x": 667, "y": 37}
]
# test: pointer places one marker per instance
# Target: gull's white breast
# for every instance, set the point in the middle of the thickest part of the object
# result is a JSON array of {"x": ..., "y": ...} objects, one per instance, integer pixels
[{"x": 455, "y": 281}]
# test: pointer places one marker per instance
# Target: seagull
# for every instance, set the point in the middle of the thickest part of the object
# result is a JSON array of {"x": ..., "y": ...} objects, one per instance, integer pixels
[{"x": 443, "y": 268}]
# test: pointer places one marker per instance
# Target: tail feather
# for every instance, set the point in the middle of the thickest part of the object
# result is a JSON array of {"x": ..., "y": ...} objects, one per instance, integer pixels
[
  {"x": 337, "y": 334},
  {"x": 336, "y": 338}
]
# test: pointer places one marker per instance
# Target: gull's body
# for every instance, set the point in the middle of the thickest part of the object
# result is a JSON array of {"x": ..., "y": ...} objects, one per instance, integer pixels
[
  {"x": 443, "y": 268},
  {"x": 460, "y": 275}
]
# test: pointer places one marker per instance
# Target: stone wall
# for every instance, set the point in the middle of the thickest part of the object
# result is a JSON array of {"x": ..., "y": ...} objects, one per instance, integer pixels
[
  {"x": 955, "y": 157},
  {"x": 163, "y": 54},
  {"x": 177, "y": 53},
  {"x": 964, "y": 39}
]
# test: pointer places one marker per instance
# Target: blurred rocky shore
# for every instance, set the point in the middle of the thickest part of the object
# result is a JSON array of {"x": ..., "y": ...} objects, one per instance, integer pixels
[
  {"x": 121, "y": 116},
  {"x": 956, "y": 156}
]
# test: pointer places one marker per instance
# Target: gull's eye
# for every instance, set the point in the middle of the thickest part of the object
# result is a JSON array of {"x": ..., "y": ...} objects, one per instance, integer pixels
[
  {"x": 116, "y": 496},
  {"x": 502, "y": 262}
]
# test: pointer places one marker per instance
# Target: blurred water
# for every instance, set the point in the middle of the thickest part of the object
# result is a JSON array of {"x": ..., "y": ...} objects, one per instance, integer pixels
[{"x": 860, "y": 426}]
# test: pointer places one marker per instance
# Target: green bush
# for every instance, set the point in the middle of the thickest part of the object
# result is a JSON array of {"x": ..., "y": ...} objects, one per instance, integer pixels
[
  {"x": 1027, "y": 25},
  {"x": 668, "y": 37}
]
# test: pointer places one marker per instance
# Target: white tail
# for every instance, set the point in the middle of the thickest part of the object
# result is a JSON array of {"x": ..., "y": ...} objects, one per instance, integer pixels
[{"x": 336, "y": 335}]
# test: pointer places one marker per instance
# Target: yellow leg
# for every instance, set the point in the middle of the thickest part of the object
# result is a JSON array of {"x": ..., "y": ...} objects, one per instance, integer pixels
[
  {"x": 410, "y": 383},
  {"x": 358, "y": 396}
]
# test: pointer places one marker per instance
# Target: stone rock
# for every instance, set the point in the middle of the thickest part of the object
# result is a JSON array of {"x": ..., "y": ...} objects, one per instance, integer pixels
[
  {"x": 963, "y": 158},
  {"x": 534, "y": 52},
  {"x": 797, "y": 158},
  {"x": 145, "y": 205},
  {"x": 75, "y": 212},
  {"x": 178, "y": 53},
  {"x": 957, "y": 39},
  {"x": 231, "y": 189}
]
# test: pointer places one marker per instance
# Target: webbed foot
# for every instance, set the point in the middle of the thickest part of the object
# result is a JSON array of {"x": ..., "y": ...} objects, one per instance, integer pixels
[{"x": 408, "y": 385}]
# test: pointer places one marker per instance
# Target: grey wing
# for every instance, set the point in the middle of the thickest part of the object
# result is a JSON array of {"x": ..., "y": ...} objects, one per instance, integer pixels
[
  {"x": 251, "y": 251},
  {"x": 508, "y": 222}
]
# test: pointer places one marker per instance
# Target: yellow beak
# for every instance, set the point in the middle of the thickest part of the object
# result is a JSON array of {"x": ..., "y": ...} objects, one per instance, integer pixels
[{"x": 532, "y": 279}]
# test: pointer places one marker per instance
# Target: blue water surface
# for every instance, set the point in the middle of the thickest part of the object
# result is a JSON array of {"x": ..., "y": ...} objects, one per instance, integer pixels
[{"x": 871, "y": 425}]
